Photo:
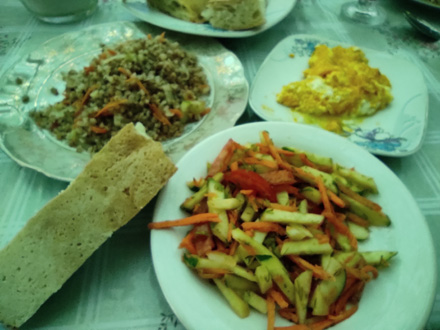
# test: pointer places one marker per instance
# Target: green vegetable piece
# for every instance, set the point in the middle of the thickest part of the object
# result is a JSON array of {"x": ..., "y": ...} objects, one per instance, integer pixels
[
  {"x": 288, "y": 217},
  {"x": 303, "y": 284},
  {"x": 307, "y": 246},
  {"x": 255, "y": 301},
  {"x": 276, "y": 268},
  {"x": 264, "y": 279},
  {"x": 238, "y": 305},
  {"x": 376, "y": 218},
  {"x": 378, "y": 258}
]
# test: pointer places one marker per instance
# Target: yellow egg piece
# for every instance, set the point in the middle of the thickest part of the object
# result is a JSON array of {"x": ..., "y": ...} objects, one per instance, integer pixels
[{"x": 338, "y": 82}]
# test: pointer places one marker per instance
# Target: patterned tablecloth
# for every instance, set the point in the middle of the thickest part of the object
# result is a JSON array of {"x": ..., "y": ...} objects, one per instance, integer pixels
[{"x": 117, "y": 287}]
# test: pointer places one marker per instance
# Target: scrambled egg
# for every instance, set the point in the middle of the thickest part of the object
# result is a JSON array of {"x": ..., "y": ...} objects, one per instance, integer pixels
[{"x": 338, "y": 82}]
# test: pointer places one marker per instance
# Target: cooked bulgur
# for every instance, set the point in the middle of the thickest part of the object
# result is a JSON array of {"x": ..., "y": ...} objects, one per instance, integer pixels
[{"x": 152, "y": 80}]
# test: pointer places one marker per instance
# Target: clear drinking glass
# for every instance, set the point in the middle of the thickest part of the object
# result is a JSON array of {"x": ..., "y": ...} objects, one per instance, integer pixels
[
  {"x": 61, "y": 11},
  {"x": 364, "y": 11}
]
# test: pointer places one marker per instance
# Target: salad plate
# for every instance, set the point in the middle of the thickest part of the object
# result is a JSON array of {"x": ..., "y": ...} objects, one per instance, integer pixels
[
  {"x": 276, "y": 10},
  {"x": 384, "y": 304},
  {"x": 28, "y": 86},
  {"x": 395, "y": 131}
]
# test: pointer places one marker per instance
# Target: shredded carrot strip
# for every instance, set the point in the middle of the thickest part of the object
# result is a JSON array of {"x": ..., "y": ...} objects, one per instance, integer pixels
[
  {"x": 158, "y": 114},
  {"x": 318, "y": 271},
  {"x": 108, "y": 106},
  {"x": 344, "y": 315},
  {"x": 294, "y": 327},
  {"x": 270, "y": 302},
  {"x": 306, "y": 160},
  {"x": 216, "y": 271},
  {"x": 361, "y": 199},
  {"x": 233, "y": 247},
  {"x": 149, "y": 36},
  {"x": 256, "y": 161},
  {"x": 125, "y": 72},
  {"x": 357, "y": 219},
  {"x": 249, "y": 249},
  {"x": 88, "y": 69},
  {"x": 290, "y": 208},
  {"x": 336, "y": 199},
  {"x": 98, "y": 130},
  {"x": 358, "y": 274},
  {"x": 178, "y": 113},
  {"x": 210, "y": 276},
  {"x": 234, "y": 166},
  {"x": 274, "y": 152},
  {"x": 85, "y": 98},
  {"x": 278, "y": 298},
  {"x": 187, "y": 243},
  {"x": 347, "y": 294},
  {"x": 194, "y": 219},
  {"x": 321, "y": 325},
  {"x": 141, "y": 86},
  {"x": 205, "y": 112},
  {"x": 264, "y": 226},
  {"x": 285, "y": 152},
  {"x": 322, "y": 238},
  {"x": 288, "y": 314},
  {"x": 162, "y": 37},
  {"x": 324, "y": 196},
  {"x": 370, "y": 269},
  {"x": 211, "y": 194},
  {"x": 247, "y": 192}
]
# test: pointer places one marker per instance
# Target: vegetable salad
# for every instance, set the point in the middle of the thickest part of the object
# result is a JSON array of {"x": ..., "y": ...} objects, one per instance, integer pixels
[{"x": 277, "y": 230}]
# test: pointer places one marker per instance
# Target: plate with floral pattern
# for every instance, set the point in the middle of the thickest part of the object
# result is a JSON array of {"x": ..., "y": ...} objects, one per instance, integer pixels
[{"x": 395, "y": 131}]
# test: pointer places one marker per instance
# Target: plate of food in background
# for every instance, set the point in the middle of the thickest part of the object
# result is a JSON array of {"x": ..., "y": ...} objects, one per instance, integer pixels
[
  {"x": 375, "y": 99},
  {"x": 236, "y": 182},
  {"x": 64, "y": 101},
  {"x": 214, "y": 18},
  {"x": 430, "y": 3}
]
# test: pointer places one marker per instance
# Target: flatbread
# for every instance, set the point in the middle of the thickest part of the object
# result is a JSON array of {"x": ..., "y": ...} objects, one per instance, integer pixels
[{"x": 114, "y": 186}]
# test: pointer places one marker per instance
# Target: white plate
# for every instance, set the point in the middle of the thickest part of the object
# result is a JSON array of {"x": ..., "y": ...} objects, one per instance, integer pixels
[
  {"x": 400, "y": 298},
  {"x": 397, "y": 130},
  {"x": 275, "y": 12},
  {"x": 41, "y": 70}
]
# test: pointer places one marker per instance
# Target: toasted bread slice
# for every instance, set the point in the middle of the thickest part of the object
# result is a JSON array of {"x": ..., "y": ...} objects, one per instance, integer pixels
[
  {"x": 114, "y": 186},
  {"x": 188, "y": 10},
  {"x": 235, "y": 14}
]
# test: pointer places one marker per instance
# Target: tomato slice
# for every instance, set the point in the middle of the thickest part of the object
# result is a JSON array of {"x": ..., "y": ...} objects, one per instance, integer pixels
[
  {"x": 251, "y": 180},
  {"x": 222, "y": 160}
]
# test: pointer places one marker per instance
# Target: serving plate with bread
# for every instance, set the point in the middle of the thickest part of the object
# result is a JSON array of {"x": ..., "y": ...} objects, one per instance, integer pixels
[{"x": 215, "y": 18}]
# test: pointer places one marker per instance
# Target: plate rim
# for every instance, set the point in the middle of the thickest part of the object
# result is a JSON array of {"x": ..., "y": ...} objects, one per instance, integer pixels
[
  {"x": 256, "y": 126},
  {"x": 214, "y": 33},
  {"x": 379, "y": 152}
]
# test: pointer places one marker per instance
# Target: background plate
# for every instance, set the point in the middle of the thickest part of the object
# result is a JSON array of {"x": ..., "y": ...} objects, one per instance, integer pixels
[
  {"x": 275, "y": 12},
  {"x": 397, "y": 130},
  {"x": 400, "y": 298},
  {"x": 41, "y": 70},
  {"x": 428, "y": 3}
]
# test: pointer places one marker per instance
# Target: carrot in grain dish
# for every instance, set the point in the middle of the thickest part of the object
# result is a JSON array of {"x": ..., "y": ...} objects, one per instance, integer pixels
[
  {"x": 280, "y": 235},
  {"x": 153, "y": 81}
]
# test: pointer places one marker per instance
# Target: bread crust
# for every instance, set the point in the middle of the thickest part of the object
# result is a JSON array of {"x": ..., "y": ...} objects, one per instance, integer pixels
[{"x": 114, "y": 186}]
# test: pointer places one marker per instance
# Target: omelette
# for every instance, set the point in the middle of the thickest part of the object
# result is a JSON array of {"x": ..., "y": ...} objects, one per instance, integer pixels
[{"x": 338, "y": 82}]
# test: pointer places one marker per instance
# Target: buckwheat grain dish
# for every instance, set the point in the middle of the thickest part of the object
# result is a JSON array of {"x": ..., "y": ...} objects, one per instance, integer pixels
[{"x": 153, "y": 81}]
